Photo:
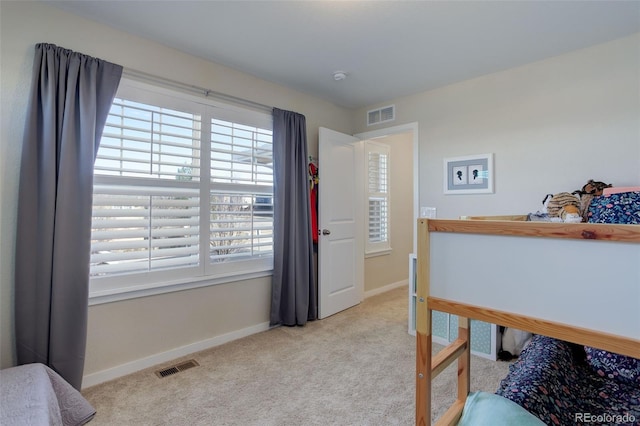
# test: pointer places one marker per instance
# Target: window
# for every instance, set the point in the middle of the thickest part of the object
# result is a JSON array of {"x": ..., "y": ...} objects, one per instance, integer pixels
[
  {"x": 182, "y": 192},
  {"x": 241, "y": 192},
  {"x": 377, "y": 156}
]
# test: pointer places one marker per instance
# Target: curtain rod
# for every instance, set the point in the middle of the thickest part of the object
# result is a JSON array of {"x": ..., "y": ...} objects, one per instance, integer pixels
[{"x": 140, "y": 75}]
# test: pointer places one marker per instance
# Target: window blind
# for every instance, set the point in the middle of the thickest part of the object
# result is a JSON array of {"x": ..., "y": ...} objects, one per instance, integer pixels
[
  {"x": 138, "y": 229},
  {"x": 147, "y": 141},
  {"x": 241, "y": 224},
  {"x": 378, "y": 196},
  {"x": 154, "y": 200}
]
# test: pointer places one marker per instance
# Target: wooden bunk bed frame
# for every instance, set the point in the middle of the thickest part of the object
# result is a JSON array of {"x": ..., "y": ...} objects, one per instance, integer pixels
[{"x": 506, "y": 271}]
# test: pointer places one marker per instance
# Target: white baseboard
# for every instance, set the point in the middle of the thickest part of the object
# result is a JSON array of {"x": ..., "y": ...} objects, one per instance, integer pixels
[
  {"x": 386, "y": 288},
  {"x": 155, "y": 359}
]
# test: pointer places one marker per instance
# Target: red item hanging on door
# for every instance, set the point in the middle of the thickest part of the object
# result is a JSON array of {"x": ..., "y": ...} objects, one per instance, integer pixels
[{"x": 313, "y": 195}]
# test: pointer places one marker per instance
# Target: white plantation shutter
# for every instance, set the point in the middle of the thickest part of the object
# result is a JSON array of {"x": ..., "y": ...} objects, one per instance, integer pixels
[
  {"x": 241, "y": 224},
  {"x": 238, "y": 230},
  {"x": 146, "y": 198},
  {"x": 378, "y": 197},
  {"x": 138, "y": 229},
  {"x": 378, "y": 217},
  {"x": 159, "y": 215},
  {"x": 146, "y": 141},
  {"x": 241, "y": 154}
]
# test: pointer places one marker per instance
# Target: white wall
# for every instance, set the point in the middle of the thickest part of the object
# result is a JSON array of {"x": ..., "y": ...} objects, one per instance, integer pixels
[
  {"x": 552, "y": 125},
  {"x": 123, "y": 333}
]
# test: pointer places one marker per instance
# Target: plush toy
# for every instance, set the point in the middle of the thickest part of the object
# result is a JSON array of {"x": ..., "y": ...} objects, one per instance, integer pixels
[
  {"x": 590, "y": 190},
  {"x": 513, "y": 342},
  {"x": 563, "y": 206},
  {"x": 574, "y": 206}
]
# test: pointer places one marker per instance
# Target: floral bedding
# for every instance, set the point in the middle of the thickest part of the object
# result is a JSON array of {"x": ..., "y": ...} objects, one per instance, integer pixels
[
  {"x": 556, "y": 382},
  {"x": 614, "y": 366},
  {"x": 622, "y": 208}
]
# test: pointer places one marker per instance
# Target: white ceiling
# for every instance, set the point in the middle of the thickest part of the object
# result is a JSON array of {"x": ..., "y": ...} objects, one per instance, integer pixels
[{"x": 387, "y": 48}]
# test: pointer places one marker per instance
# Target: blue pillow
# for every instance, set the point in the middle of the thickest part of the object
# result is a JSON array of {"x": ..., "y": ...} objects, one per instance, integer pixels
[{"x": 483, "y": 408}]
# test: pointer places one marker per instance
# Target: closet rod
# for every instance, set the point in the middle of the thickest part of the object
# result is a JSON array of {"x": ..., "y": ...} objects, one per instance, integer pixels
[{"x": 141, "y": 75}]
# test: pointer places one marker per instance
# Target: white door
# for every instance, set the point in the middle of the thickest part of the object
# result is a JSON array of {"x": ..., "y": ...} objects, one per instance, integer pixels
[{"x": 340, "y": 221}]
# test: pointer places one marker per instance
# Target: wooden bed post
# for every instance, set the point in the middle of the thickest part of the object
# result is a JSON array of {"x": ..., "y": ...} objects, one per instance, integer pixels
[
  {"x": 423, "y": 329},
  {"x": 464, "y": 362}
]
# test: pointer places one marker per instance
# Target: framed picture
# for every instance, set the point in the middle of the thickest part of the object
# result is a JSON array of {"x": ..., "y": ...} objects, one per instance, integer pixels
[{"x": 472, "y": 174}]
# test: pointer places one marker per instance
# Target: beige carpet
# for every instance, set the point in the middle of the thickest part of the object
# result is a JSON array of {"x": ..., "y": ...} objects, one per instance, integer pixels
[{"x": 354, "y": 368}]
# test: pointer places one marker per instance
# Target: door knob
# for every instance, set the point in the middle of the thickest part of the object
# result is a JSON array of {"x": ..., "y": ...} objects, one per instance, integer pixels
[{"x": 326, "y": 232}]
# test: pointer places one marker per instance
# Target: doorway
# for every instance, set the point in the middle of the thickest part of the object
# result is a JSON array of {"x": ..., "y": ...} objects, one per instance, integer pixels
[
  {"x": 388, "y": 270},
  {"x": 341, "y": 272}
]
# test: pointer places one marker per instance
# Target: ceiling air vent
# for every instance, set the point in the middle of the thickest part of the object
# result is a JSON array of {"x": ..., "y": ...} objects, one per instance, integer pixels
[{"x": 381, "y": 115}]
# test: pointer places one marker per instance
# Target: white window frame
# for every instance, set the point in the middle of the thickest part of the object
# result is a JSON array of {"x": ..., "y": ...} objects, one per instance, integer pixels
[
  {"x": 379, "y": 247},
  {"x": 121, "y": 287}
]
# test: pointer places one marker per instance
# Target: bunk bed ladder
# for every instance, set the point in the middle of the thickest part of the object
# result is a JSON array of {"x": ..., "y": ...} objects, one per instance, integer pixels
[
  {"x": 460, "y": 350},
  {"x": 427, "y": 366}
]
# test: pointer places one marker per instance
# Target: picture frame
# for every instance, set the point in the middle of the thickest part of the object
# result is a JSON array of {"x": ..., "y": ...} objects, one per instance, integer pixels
[{"x": 471, "y": 174}]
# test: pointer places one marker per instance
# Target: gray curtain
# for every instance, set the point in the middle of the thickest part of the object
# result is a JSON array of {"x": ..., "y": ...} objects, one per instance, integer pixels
[
  {"x": 293, "y": 292},
  {"x": 69, "y": 102}
]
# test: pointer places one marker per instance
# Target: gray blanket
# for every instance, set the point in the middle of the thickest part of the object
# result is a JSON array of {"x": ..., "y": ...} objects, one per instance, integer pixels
[{"x": 33, "y": 394}]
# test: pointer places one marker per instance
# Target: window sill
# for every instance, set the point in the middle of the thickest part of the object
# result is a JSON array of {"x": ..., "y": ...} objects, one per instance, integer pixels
[
  {"x": 377, "y": 253},
  {"x": 132, "y": 292}
]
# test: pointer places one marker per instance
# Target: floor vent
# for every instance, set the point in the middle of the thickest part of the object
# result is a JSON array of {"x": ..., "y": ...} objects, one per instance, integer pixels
[{"x": 177, "y": 368}]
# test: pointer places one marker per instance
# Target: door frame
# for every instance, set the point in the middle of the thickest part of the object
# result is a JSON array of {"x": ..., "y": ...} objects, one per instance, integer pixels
[{"x": 394, "y": 130}]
